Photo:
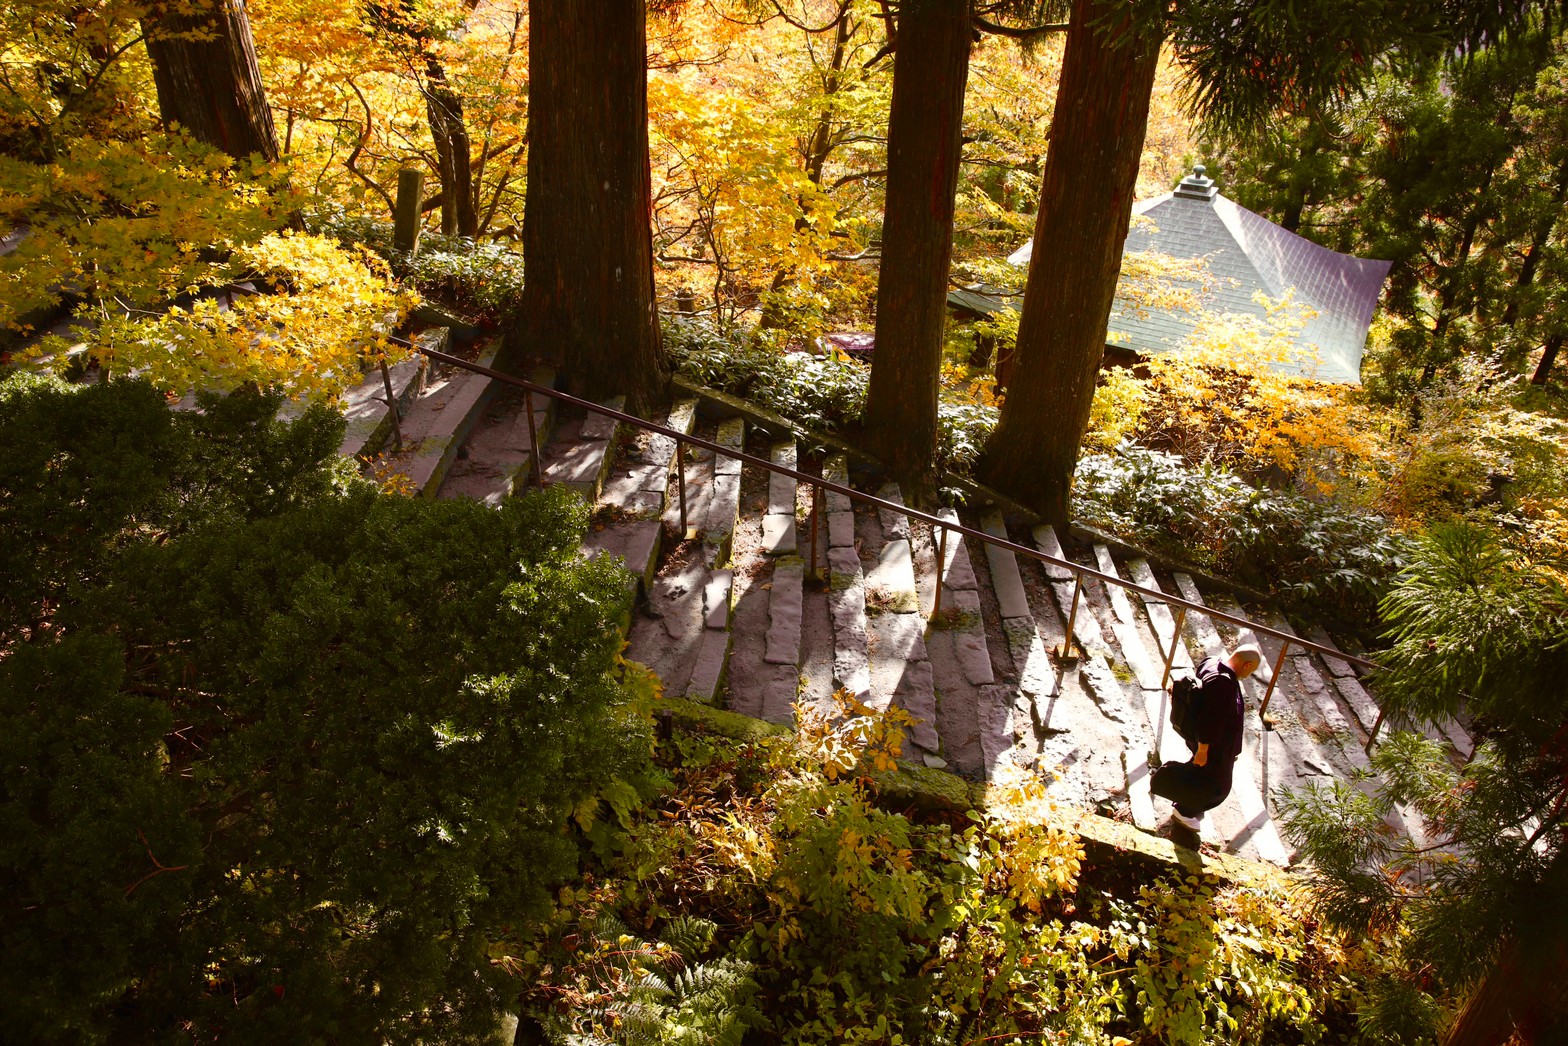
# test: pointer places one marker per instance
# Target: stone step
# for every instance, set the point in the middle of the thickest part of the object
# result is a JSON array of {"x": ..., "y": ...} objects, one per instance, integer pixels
[
  {"x": 638, "y": 479},
  {"x": 498, "y": 458},
  {"x": 368, "y": 429},
  {"x": 1005, "y": 578},
  {"x": 582, "y": 459},
  {"x": 723, "y": 502},
  {"x": 778, "y": 526},
  {"x": 436, "y": 425},
  {"x": 890, "y": 583},
  {"x": 840, "y": 510}
]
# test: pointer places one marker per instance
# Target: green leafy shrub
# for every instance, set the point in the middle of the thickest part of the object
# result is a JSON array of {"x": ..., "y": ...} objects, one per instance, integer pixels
[
  {"x": 1315, "y": 555},
  {"x": 485, "y": 276},
  {"x": 819, "y": 392},
  {"x": 284, "y": 758}
]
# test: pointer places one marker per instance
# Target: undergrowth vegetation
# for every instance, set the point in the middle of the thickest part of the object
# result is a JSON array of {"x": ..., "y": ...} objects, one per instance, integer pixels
[
  {"x": 263, "y": 727},
  {"x": 769, "y": 882}
]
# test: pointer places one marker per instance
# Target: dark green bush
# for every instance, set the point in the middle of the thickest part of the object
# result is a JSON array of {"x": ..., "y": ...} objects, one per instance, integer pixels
[
  {"x": 1319, "y": 557},
  {"x": 287, "y": 761}
]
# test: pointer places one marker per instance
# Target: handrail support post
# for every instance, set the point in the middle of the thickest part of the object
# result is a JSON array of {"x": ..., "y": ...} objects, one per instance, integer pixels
[
  {"x": 392, "y": 413},
  {"x": 1066, "y": 651},
  {"x": 941, "y": 570},
  {"x": 1268, "y": 695},
  {"x": 1181, "y": 620}
]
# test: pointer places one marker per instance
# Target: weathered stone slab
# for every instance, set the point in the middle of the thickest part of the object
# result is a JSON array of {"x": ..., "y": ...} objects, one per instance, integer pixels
[
  {"x": 1336, "y": 667},
  {"x": 707, "y": 673},
  {"x": 894, "y": 524},
  {"x": 778, "y": 534},
  {"x": 1121, "y": 606},
  {"x": 916, "y": 694},
  {"x": 841, "y": 529},
  {"x": 1086, "y": 629},
  {"x": 780, "y": 689},
  {"x": 723, "y": 509},
  {"x": 1046, "y": 541},
  {"x": 1036, "y": 676},
  {"x": 1136, "y": 764},
  {"x": 1138, "y": 656},
  {"x": 716, "y": 604},
  {"x": 836, "y": 470},
  {"x": 843, "y": 567},
  {"x": 901, "y": 637},
  {"x": 634, "y": 542},
  {"x": 601, "y": 426},
  {"x": 957, "y": 571},
  {"x": 894, "y": 578},
  {"x": 580, "y": 466},
  {"x": 851, "y": 664},
  {"x": 784, "y": 614},
  {"x": 732, "y": 434},
  {"x": 1361, "y": 704},
  {"x": 997, "y": 733},
  {"x": 1005, "y": 578},
  {"x": 781, "y": 489},
  {"x": 968, "y": 634}
]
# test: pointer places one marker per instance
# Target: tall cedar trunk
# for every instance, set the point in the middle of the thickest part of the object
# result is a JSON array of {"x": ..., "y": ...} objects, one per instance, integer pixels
[
  {"x": 444, "y": 108},
  {"x": 211, "y": 86},
  {"x": 1525, "y": 994},
  {"x": 1538, "y": 241},
  {"x": 1543, "y": 369},
  {"x": 924, "y": 135},
  {"x": 588, "y": 302},
  {"x": 1091, "y": 171}
]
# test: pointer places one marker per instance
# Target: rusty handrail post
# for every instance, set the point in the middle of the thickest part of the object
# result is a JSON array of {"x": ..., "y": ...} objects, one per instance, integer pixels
[
  {"x": 941, "y": 569},
  {"x": 1066, "y": 652},
  {"x": 1381, "y": 713},
  {"x": 1181, "y": 619},
  {"x": 533, "y": 441},
  {"x": 680, "y": 476},
  {"x": 1268, "y": 695},
  {"x": 397, "y": 423},
  {"x": 816, "y": 519}
]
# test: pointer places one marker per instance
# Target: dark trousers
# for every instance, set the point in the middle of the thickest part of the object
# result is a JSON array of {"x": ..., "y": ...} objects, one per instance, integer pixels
[{"x": 1192, "y": 788}]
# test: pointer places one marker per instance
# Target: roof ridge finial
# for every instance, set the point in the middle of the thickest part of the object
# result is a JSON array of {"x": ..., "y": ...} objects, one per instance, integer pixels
[{"x": 1197, "y": 185}]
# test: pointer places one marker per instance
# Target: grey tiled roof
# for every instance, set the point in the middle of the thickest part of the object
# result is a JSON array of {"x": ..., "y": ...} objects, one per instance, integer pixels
[{"x": 1248, "y": 253}]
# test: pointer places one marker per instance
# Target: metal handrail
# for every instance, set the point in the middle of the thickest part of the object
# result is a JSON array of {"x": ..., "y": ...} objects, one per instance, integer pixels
[{"x": 1079, "y": 572}]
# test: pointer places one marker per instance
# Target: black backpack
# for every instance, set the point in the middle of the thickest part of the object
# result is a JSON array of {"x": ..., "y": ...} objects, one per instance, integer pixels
[{"x": 1186, "y": 701}]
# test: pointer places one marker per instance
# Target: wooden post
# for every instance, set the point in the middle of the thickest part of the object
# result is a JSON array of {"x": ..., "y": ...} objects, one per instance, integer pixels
[
  {"x": 1066, "y": 653},
  {"x": 1268, "y": 695},
  {"x": 941, "y": 571},
  {"x": 405, "y": 224},
  {"x": 1181, "y": 619}
]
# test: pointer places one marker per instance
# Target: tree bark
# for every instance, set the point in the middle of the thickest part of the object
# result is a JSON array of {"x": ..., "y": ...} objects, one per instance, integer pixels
[
  {"x": 211, "y": 85},
  {"x": 454, "y": 154},
  {"x": 1543, "y": 369},
  {"x": 925, "y": 127},
  {"x": 588, "y": 302},
  {"x": 1091, "y": 173}
]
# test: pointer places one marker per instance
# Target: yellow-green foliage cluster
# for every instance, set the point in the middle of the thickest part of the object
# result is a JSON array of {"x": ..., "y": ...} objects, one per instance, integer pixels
[
  {"x": 854, "y": 923},
  {"x": 328, "y": 321}
]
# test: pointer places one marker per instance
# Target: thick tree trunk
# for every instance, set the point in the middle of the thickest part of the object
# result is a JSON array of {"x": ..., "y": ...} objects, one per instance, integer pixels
[
  {"x": 204, "y": 67},
  {"x": 1538, "y": 242},
  {"x": 1543, "y": 369},
  {"x": 588, "y": 300},
  {"x": 1091, "y": 172},
  {"x": 444, "y": 108},
  {"x": 925, "y": 129}
]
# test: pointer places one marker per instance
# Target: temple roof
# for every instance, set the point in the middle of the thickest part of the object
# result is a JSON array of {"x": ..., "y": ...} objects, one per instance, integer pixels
[{"x": 1247, "y": 253}]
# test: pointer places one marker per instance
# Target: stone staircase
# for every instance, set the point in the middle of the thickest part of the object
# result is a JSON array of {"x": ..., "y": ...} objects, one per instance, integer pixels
[{"x": 758, "y": 603}]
